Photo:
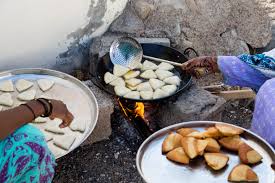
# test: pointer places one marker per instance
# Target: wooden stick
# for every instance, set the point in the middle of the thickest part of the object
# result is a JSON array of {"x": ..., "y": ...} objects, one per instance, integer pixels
[
  {"x": 236, "y": 94},
  {"x": 162, "y": 60}
]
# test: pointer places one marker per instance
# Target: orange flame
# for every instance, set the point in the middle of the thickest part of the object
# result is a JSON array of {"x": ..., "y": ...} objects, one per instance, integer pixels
[{"x": 139, "y": 111}]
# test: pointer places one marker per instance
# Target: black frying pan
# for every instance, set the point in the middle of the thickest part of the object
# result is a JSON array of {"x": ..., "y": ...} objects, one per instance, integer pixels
[{"x": 104, "y": 65}]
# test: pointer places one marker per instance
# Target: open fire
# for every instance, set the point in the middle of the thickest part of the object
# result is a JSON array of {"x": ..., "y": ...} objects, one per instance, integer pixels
[{"x": 141, "y": 115}]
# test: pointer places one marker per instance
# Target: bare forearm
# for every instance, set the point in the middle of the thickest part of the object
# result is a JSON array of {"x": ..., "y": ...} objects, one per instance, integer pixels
[{"x": 12, "y": 119}]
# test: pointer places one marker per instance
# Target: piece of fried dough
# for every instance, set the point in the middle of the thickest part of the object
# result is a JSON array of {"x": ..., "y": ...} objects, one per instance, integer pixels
[
  {"x": 144, "y": 87},
  {"x": 212, "y": 132},
  {"x": 165, "y": 66},
  {"x": 212, "y": 145},
  {"x": 108, "y": 77},
  {"x": 120, "y": 70},
  {"x": 197, "y": 135},
  {"x": 189, "y": 145},
  {"x": 216, "y": 160},
  {"x": 242, "y": 173},
  {"x": 147, "y": 65},
  {"x": 121, "y": 90},
  {"x": 146, "y": 95},
  {"x": 155, "y": 83},
  {"x": 131, "y": 74},
  {"x": 148, "y": 74},
  {"x": 133, "y": 82},
  {"x": 231, "y": 143},
  {"x": 248, "y": 155},
  {"x": 162, "y": 74},
  {"x": 201, "y": 145},
  {"x": 178, "y": 155},
  {"x": 173, "y": 80},
  {"x": 169, "y": 89},
  {"x": 159, "y": 94},
  {"x": 228, "y": 130},
  {"x": 185, "y": 131},
  {"x": 172, "y": 141}
]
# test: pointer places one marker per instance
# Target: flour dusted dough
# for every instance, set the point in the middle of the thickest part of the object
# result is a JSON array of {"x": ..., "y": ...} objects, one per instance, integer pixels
[
  {"x": 108, "y": 77},
  {"x": 169, "y": 89},
  {"x": 120, "y": 70},
  {"x": 165, "y": 66},
  {"x": 174, "y": 80},
  {"x": 118, "y": 82},
  {"x": 53, "y": 127},
  {"x": 6, "y": 99},
  {"x": 144, "y": 87},
  {"x": 121, "y": 90},
  {"x": 155, "y": 83},
  {"x": 131, "y": 74},
  {"x": 64, "y": 141},
  {"x": 148, "y": 74},
  {"x": 133, "y": 95},
  {"x": 45, "y": 84},
  {"x": 133, "y": 82},
  {"x": 159, "y": 94},
  {"x": 146, "y": 95},
  {"x": 48, "y": 136},
  {"x": 6, "y": 86},
  {"x": 27, "y": 95},
  {"x": 162, "y": 74},
  {"x": 147, "y": 65},
  {"x": 78, "y": 126},
  {"x": 22, "y": 85},
  {"x": 40, "y": 120},
  {"x": 55, "y": 150}
]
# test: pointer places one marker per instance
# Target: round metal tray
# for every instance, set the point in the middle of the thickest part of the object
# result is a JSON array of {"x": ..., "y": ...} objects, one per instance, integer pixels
[
  {"x": 79, "y": 98},
  {"x": 155, "y": 168}
]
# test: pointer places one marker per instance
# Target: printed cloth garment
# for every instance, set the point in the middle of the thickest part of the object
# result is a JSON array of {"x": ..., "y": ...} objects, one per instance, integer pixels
[
  {"x": 25, "y": 157},
  {"x": 238, "y": 73}
]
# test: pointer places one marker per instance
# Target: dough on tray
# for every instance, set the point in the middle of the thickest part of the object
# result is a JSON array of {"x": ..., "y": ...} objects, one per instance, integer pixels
[
  {"x": 131, "y": 74},
  {"x": 132, "y": 95},
  {"x": 173, "y": 80},
  {"x": 48, "y": 136},
  {"x": 6, "y": 99},
  {"x": 109, "y": 77},
  {"x": 118, "y": 82},
  {"x": 169, "y": 89},
  {"x": 22, "y": 85},
  {"x": 27, "y": 95},
  {"x": 159, "y": 94},
  {"x": 162, "y": 74},
  {"x": 133, "y": 81},
  {"x": 78, "y": 126},
  {"x": 120, "y": 70},
  {"x": 132, "y": 87},
  {"x": 45, "y": 84},
  {"x": 146, "y": 95},
  {"x": 1, "y": 108},
  {"x": 6, "y": 86},
  {"x": 144, "y": 87},
  {"x": 40, "y": 120},
  {"x": 147, "y": 65},
  {"x": 64, "y": 141},
  {"x": 53, "y": 127},
  {"x": 155, "y": 83},
  {"x": 165, "y": 66},
  {"x": 149, "y": 74},
  {"x": 121, "y": 90}
]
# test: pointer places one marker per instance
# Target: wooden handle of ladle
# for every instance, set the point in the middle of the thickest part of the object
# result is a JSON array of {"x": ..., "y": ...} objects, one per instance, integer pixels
[{"x": 162, "y": 60}]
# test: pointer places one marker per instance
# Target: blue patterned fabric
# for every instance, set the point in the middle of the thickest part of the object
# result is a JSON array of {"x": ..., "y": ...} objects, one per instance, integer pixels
[
  {"x": 259, "y": 60},
  {"x": 25, "y": 157}
]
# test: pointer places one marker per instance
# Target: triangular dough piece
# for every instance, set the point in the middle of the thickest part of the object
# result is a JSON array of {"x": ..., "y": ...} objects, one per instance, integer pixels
[
  {"x": 155, "y": 83},
  {"x": 144, "y": 87},
  {"x": 48, "y": 136},
  {"x": 149, "y": 74},
  {"x": 165, "y": 66},
  {"x": 53, "y": 127},
  {"x": 132, "y": 87},
  {"x": 78, "y": 126},
  {"x": 40, "y": 120},
  {"x": 170, "y": 89},
  {"x": 146, "y": 95},
  {"x": 6, "y": 99},
  {"x": 133, "y": 82},
  {"x": 147, "y": 65},
  {"x": 22, "y": 85},
  {"x": 108, "y": 77},
  {"x": 64, "y": 141},
  {"x": 173, "y": 80},
  {"x": 118, "y": 82},
  {"x": 45, "y": 84},
  {"x": 131, "y": 74},
  {"x": 159, "y": 94},
  {"x": 162, "y": 74},
  {"x": 132, "y": 95},
  {"x": 57, "y": 152},
  {"x": 6, "y": 86},
  {"x": 121, "y": 90},
  {"x": 120, "y": 70},
  {"x": 27, "y": 95}
]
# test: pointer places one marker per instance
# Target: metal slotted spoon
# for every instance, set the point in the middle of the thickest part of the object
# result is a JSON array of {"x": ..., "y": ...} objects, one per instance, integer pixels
[{"x": 127, "y": 52}]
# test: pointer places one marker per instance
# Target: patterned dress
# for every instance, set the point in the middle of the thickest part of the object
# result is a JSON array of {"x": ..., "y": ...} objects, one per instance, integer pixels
[
  {"x": 25, "y": 157},
  {"x": 257, "y": 72}
]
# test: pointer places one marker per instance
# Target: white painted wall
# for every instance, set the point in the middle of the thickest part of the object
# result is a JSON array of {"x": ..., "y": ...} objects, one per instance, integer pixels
[{"x": 34, "y": 32}]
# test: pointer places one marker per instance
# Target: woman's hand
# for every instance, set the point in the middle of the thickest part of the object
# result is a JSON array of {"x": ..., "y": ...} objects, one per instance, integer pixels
[
  {"x": 200, "y": 66},
  {"x": 60, "y": 111}
]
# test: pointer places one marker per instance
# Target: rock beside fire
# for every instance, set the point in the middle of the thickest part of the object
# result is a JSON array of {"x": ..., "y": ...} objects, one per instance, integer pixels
[{"x": 194, "y": 104}]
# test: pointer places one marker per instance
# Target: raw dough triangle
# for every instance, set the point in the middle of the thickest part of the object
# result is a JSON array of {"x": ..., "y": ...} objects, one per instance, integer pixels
[
  {"x": 144, "y": 87},
  {"x": 162, "y": 74},
  {"x": 22, "y": 85},
  {"x": 27, "y": 95},
  {"x": 108, "y": 77},
  {"x": 133, "y": 95},
  {"x": 78, "y": 126},
  {"x": 6, "y": 86},
  {"x": 155, "y": 83},
  {"x": 148, "y": 74},
  {"x": 173, "y": 80},
  {"x": 131, "y": 74},
  {"x": 159, "y": 94},
  {"x": 64, "y": 141},
  {"x": 169, "y": 89},
  {"x": 121, "y": 90},
  {"x": 45, "y": 84},
  {"x": 6, "y": 99},
  {"x": 133, "y": 82},
  {"x": 146, "y": 95},
  {"x": 118, "y": 82},
  {"x": 147, "y": 65},
  {"x": 165, "y": 66},
  {"x": 120, "y": 70}
]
